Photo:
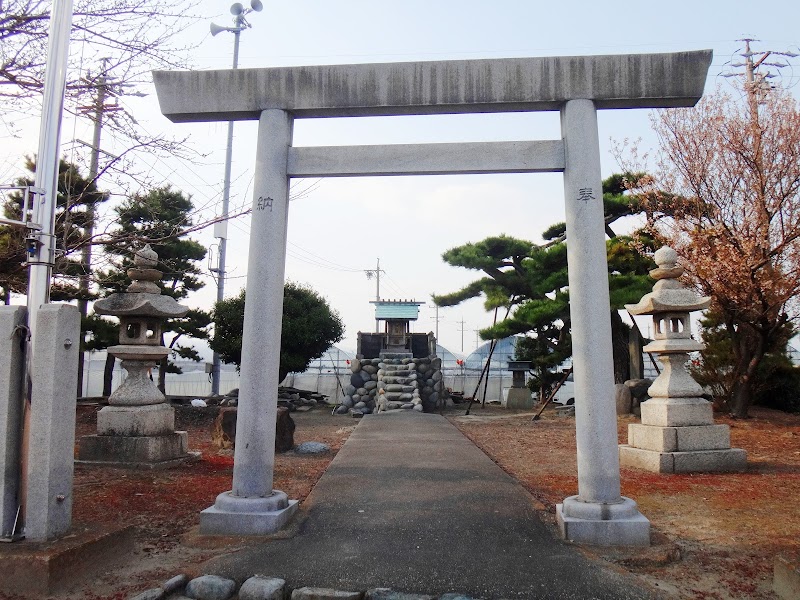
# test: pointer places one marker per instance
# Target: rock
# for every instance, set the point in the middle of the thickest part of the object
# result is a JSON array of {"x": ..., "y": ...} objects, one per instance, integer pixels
[
  {"x": 151, "y": 594},
  {"x": 416, "y": 400},
  {"x": 622, "y": 396},
  {"x": 174, "y": 584},
  {"x": 356, "y": 381},
  {"x": 433, "y": 398},
  {"x": 407, "y": 406},
  {"x": 360, "y": 405},
  {"x": 312, "y": 448},
  {"x": 370, "y": 385},
  {"x": 262, "y": 588},
  {"x": 342, "y": 410},
  {"x": 362, "y": 391},
  {"x": 356, "y": 414},
  {"x": 223, "y": 431},
  {"x": 452, "y": 596},
  {"x": 423, "y": 368},
  {"x": 418, "y": 407},
  {"x": 348, "y": 401},
  {"x": 437, "y": 387},
  {"x": 366, "y": 411},
  {"x": 371, "y": 369},
  {"x": 349, "y": 390},
  {"x": 210, "y": 587},
  {"x": 284, "y": 430},
  {"x": 437, "y": 376},
  {"x": 436, "y": 364},
  {"x": 355, "y": 366},
  {"x": 407, "y": 389},
  {"x": 311, "y": 593},
  {"x": 405, "y": 396},
  {"x": 389, "y": 594},
  {"x": 639, "y": 387},
  {"x": 406, "y": 361},
  {"x": 365, "y": 375},
  {"x": 394, "y": 405}
]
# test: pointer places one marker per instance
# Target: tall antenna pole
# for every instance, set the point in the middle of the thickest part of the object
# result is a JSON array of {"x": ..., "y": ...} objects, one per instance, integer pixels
[{"x": 221, "y": 227}]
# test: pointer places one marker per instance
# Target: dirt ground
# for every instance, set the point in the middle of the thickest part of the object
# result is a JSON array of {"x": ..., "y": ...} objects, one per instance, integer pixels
[{"x": 716, "y": 535}]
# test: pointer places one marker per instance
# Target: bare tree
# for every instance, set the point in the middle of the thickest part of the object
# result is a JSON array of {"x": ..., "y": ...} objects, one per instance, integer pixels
[{"x": 736, "y": 163}]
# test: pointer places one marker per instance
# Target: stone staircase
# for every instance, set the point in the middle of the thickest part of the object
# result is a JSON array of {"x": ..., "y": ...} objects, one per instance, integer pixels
[{"x": 397, "y": 382}]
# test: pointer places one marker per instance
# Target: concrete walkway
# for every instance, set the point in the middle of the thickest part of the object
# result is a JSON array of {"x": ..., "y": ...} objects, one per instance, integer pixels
[{"x": 411, "y": 504}]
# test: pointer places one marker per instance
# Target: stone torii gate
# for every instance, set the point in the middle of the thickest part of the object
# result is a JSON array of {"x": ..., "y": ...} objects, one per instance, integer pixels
[{"x": 576, "y": 86}]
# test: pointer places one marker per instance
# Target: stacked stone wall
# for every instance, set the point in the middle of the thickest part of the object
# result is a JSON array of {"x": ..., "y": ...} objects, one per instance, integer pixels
[{"x": 393, "y": 382}]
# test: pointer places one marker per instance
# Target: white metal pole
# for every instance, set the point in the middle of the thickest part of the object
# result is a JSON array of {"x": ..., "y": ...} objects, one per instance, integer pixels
[
  {"x": 47, "y": 158},
  {"x": 222, "y": 226}
]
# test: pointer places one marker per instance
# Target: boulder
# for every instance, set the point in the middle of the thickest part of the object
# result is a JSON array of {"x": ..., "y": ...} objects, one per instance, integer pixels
[
  {"x": 638, "y": 388},
  {"x": 312, "y": 448},
  {"x": 356, "y": 381},
  {"x": 210, "y": 587},
  {"x": 622, "y": 396},
  {"x": 262, "y": 588},
  {"x": 223, "y": 431},
  {"x": 284, "y": 431},
  {"x": 355, "y": 365}
]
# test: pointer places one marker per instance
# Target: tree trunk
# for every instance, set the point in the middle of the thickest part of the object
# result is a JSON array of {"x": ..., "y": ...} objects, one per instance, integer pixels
[
  {"x": 619, "y": 343},
  {"x": 108, "y": 374},
  {"x": 162, "y": 375},
  {"x": 751, "y": 351}
]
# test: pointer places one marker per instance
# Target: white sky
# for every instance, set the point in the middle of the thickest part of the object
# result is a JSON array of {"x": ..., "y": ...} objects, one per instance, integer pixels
[{"x": 344, "y": 225}]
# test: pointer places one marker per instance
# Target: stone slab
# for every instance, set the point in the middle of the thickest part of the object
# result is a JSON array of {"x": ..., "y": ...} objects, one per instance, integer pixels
[
  {"x": 314, "y": 593},
  {"x": 519, "y": 398},
  {"x": 678, "y": 412},
  {"x": 12, "y": 370},
  {"x": 627, "y": 531},
  {"x": 149, "y": 420},
  {"x": 435, "y": 87},
  {"x": 679, "y": 439},
  {"x": 215, "y": 521},
  {"x": 40, "y": 569},
  {"x": 134, "y": 449},
  {"x": 786, "y": 577},
  {"x": 704, "y": 461}
]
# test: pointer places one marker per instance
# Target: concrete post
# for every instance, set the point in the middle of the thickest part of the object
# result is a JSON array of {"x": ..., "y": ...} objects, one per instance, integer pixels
[
  {"x": 51, "y": 444},
  {"x": 252, "y": 506},
  {"x": 598, "y": 514},
  {"x": 13, "y": 339}
]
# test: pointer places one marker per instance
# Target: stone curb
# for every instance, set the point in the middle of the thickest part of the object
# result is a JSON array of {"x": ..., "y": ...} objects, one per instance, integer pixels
[{"x": 261, "y": 587}]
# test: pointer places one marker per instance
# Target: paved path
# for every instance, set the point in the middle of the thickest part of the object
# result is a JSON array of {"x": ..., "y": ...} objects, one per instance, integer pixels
[{"x": 410, "y": 503}]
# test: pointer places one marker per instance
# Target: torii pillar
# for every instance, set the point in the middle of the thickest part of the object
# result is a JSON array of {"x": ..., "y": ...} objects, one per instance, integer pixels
[{"x": 577, "y": 86}]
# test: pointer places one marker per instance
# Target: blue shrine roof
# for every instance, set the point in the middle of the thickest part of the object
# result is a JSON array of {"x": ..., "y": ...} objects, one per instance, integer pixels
[{"x": 396, "y": 309}]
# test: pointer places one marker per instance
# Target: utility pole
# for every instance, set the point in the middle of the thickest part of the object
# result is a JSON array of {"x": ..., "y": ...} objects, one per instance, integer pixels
[
  {"x": 99, "y": 108},
  {"x": 756, "y": 84},
  {"x": 376, "y": 272},
  {"x": 437, "y": 319},
  {"x": 462, "y": 322},
  {"x": 221, "y": 227}
]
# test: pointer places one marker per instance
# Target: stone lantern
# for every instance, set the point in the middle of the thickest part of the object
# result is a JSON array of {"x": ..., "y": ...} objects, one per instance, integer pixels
[
  {"x": 137, "y": 429},
  {"x": 677, "y": 433}
]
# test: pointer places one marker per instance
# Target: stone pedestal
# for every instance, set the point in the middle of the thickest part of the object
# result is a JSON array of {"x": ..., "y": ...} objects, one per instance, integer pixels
[
  {"x": 678, "y": 435},
  {"x": 136, "y": 437},
  {"x": 519, "y": 398}
]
